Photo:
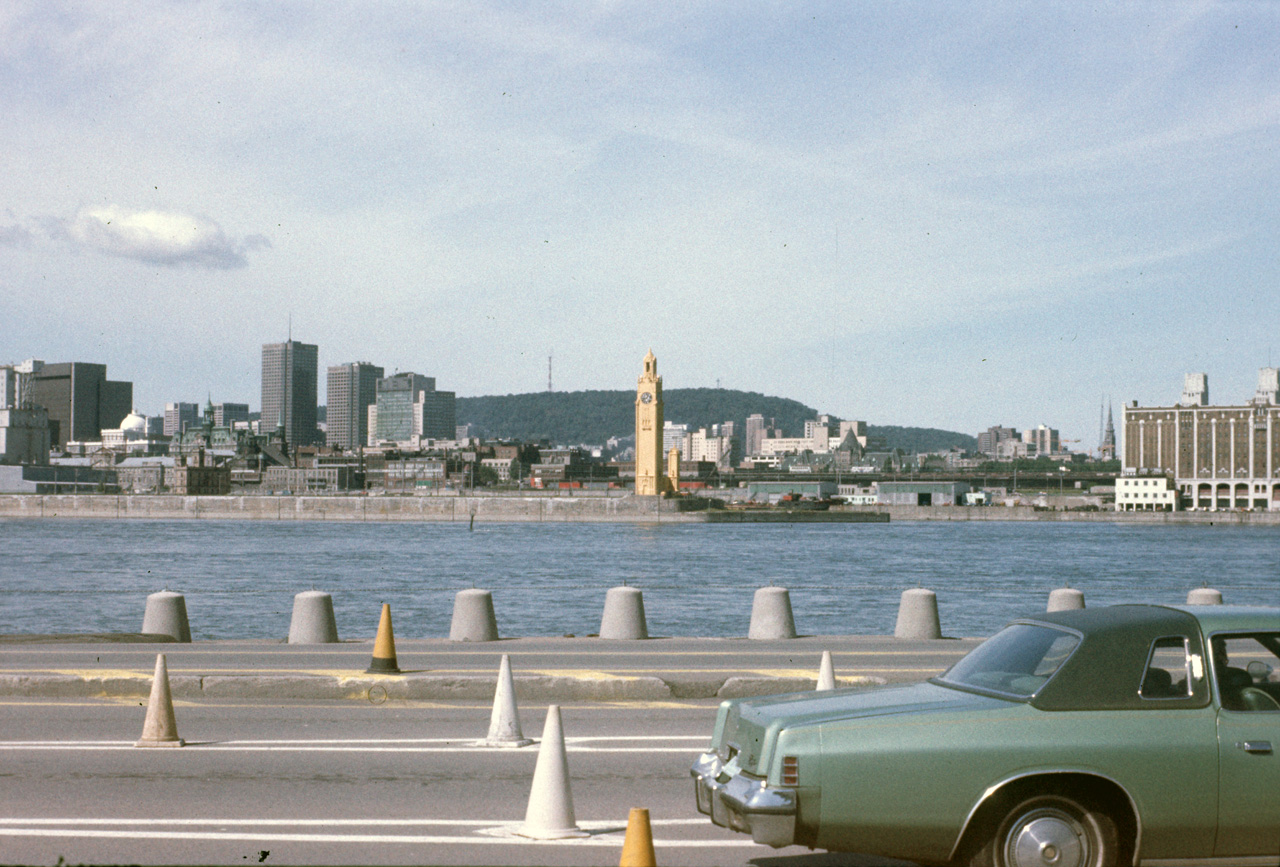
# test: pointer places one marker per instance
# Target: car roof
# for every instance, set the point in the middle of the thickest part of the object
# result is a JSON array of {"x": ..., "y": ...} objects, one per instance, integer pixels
[
  {"x": 1233, "y": 618},
  {"x": 1106, "y": 670}
]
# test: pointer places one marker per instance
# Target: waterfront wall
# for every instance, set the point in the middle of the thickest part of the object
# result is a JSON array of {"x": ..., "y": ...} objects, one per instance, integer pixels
[
  {"x": 1030, "y": 513},
  {"x": 531, "y": 508},
  {"x": 302, "y": 508}
]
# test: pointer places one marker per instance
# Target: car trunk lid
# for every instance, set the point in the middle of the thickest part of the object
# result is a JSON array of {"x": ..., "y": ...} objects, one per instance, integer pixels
[{"x": 752, "y": 722}]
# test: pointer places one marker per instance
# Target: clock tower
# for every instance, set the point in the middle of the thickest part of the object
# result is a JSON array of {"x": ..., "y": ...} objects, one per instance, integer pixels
[{"x": 650, "y": 479}]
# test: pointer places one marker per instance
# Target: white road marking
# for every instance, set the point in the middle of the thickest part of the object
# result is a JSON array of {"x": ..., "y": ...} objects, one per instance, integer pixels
[
  {"x": 480, "y": 823},
  {"x": 486, "y": 833},
  {"x": 382, "y": 745}
]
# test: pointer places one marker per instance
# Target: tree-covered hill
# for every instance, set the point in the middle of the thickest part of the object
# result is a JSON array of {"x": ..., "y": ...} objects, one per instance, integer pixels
[{"x": 573, "y": 417}]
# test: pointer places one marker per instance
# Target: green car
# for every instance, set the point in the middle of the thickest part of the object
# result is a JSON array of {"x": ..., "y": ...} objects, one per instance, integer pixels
[{"x": 1134, "y": 734}]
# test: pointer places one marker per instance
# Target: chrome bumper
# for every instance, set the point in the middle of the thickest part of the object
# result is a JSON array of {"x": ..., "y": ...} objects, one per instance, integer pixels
[{"x": 743, "y": 803}]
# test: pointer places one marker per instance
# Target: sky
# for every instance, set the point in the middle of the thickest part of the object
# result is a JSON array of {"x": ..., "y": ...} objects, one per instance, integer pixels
[{"x": 950, "y": 215}]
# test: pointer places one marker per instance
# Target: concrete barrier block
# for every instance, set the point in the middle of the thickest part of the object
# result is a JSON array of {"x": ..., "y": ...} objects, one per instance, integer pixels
[
  {"x": 166, "y": 614},
  {"x": 313, "y": 621},
  {"x": 1204, "y": 596},
  {"x": 473, "y": 617},
  {"x": 771, "y": 615},
  {"x": 918, "y": 615},
  {"x": 623, "y": 617},
  {"x": 1065, "y": 599}
]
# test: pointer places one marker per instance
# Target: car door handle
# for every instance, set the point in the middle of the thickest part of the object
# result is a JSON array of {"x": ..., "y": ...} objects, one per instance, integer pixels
[{"x": 1256, "y": 747}]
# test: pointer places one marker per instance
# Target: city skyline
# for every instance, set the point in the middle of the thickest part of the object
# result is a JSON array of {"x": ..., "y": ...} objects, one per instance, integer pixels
[{"x": 948, "y": 216}]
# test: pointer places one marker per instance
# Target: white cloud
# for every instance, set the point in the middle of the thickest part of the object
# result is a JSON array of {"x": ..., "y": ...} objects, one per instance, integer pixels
[{"x": 161, "y": 237}]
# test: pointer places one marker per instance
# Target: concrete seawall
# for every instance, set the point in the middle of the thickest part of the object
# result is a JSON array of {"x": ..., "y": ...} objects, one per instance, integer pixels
[
  {"x": 1030, "y": 513},
  {"x": 535, "y": 508},
  {"x": 302, "y": 508}
]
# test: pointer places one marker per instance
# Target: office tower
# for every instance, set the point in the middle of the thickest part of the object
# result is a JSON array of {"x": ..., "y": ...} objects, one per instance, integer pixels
[
  {"x": 1041, "y": 440},
  {"x": 227, "y": 414},
  {"x": 80, "y": 400},
  {"x": 755, "y": 433},
  {"x": 180, "y": 416},
  {"x": 409, "y": 406},
  {"x": 8, "y": 387},
  {"x": 989, "y": 440},
  {"x": 439, "y": 417},
  {"x": 351, "y": 389},
  {"x": 674, "y": 436},
  {"x": 289, "y": 391}
]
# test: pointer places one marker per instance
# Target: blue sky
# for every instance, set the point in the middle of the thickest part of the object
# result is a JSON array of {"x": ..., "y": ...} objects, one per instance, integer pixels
[{"x": 948, "y": 215}]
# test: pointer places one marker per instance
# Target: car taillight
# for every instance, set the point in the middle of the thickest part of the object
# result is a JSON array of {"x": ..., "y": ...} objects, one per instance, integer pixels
[{"x": 790, "y": 771}]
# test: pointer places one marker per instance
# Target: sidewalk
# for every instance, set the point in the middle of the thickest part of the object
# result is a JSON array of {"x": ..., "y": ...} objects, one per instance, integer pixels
[{"x": 545, "y": 669}]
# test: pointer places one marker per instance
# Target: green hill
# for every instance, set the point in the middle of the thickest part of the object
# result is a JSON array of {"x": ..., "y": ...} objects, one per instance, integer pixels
[{"x": 595, "y": 416}]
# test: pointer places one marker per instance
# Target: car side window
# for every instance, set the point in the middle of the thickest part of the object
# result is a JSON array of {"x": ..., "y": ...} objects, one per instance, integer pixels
[
  {"x": 1170, "y": 670},
  {"x": 1246, "y": 669}
]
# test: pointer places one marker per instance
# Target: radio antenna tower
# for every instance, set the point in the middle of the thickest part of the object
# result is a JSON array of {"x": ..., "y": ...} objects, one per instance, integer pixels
[{"x": 549, "y": 388}]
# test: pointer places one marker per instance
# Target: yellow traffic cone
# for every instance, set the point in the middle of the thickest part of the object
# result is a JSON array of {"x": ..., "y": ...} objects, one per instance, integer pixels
[
  {"x": 637, "y": 848},
  {"x": 384, "y": 646},
  {"x": 160, "y": 729}
]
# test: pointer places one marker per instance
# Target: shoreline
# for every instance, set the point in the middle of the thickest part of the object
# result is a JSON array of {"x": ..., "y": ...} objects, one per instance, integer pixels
[{"x": 560, "y": 508}]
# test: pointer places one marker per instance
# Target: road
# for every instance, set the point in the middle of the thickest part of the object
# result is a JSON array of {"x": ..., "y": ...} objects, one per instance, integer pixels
[
  {"x": 548, "y": 668},
  {"x": 347, "y": 783},
  {"x": 273, "y": 774}
]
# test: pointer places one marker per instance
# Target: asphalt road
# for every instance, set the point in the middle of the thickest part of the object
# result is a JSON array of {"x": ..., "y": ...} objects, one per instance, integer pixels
[
  {"x": 342, "y": 782},
  {"x": 689, "y": 668},
  {"x": 274, "y": 775}
]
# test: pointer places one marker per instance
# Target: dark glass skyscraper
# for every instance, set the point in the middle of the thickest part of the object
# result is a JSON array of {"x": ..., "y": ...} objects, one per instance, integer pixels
[
  {"x": 80, "y": 399},
  {"x": 289, "y": 390}
]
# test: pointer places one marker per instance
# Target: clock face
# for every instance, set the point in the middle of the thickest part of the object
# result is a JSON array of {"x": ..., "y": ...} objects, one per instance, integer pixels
[{"x": 645, "y": 397}]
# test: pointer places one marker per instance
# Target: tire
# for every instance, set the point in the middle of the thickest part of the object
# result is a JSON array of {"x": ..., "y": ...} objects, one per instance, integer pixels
[{"x": 1052, "y": 831}]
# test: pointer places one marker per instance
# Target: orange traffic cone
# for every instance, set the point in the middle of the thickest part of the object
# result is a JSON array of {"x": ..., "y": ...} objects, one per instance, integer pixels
[
  {"x": 637, "y": 848},
  {"x": 384, "y": 646}
]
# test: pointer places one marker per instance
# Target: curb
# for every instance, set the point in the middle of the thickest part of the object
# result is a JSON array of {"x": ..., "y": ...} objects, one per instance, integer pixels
[{"x": 408, "y": 687}]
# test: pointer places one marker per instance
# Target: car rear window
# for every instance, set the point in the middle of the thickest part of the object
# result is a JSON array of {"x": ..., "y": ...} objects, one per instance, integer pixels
[{"x": 1016, "y": 661}]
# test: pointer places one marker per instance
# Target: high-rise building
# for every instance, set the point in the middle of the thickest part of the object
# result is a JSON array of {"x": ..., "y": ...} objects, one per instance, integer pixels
[
  {"x": 8, "y": 387},
  {"x": 1041, "y": 440},
  {"x": 409, "y": 407},
  {"x": 755, "y": 433},
  {"x": 989, "y": 440},
  {"x": 289, "y": 390},
  {"x": 227, "y": 414},
  {"x": 80, "y": 400},
  {"x": 674, "y": 436},
  {"x": 180, "y": 416},
  {"x": 351, "y": 389}
]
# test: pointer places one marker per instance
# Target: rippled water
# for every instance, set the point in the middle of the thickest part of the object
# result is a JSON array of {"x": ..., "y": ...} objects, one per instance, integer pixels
[{"x": 549, "y": 579}]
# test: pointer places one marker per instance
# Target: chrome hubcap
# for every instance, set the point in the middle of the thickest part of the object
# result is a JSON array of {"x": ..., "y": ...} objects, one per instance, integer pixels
[{"x": 1047, "y": 837}]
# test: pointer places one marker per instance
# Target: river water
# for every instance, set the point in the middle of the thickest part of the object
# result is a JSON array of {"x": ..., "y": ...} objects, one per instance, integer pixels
[{"x": 239, "y": 578}]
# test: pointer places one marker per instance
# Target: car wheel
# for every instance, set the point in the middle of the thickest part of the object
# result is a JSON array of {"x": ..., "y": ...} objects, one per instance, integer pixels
[{"x": 1054, "y": 831}]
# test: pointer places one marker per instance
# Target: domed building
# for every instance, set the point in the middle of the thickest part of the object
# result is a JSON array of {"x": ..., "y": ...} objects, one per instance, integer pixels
[{"x": 137, "y": 434}]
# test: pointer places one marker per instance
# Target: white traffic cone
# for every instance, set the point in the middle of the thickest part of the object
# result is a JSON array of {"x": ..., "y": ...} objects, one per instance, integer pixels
[
  {"x": 160, "y": 729},
  {"x": 504, "y": 723},
  {"x": 550, "y": 812},
  {"x": 826, "y": 673}
]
